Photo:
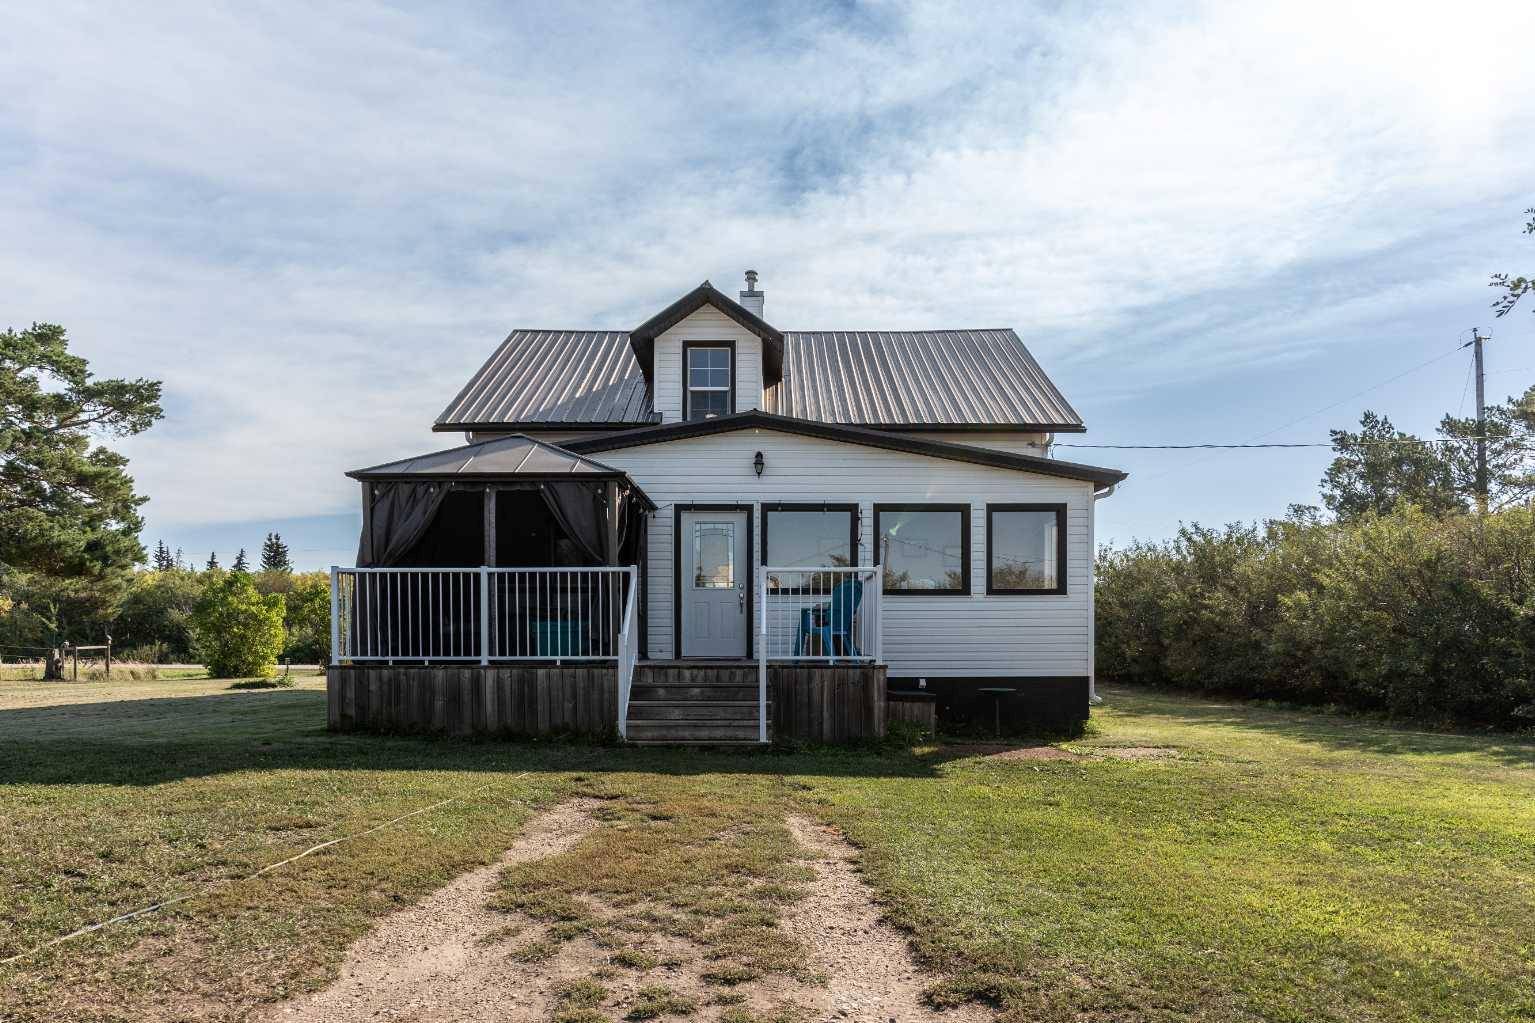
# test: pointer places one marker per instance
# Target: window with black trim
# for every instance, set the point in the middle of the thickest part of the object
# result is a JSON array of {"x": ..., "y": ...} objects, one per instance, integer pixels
[
  {"x": 924, "y": 548},
  {"x": 808, "y": 536},
  {"x": 1026, "y": 548},
  {"x": 709, "y": 380}
]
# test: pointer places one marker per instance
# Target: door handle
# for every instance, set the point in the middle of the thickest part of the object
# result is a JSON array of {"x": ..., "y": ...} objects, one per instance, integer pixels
[{"x": 741, "y": 595}]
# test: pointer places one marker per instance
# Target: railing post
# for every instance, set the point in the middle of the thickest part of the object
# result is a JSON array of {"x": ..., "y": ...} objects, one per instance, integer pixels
[
  {"x": 484, "y": 615},
  {"x": 335, "y": 615},
  {"x": 762, "y": 642},
  {"x": 879, "y": 615}
]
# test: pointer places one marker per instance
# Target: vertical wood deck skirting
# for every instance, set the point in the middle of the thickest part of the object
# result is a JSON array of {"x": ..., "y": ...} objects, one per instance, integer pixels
[
  {"x": 827, "y": 704},
  {"x": 822, "y": 704},
  {"x": 473, "y": 700}
]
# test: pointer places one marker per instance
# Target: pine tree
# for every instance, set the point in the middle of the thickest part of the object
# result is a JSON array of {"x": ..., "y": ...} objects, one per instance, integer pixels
[
  {"x": 241, "y": 564},
  {"x": 163, "y": 561},
  {"x": 213, "y": 562},
  {"x": 274, "y": 554},
  {"x": 181, "y": 558}
]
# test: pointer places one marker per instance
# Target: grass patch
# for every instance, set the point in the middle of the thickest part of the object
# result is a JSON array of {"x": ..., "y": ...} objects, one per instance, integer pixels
[
  {"x": 580, "y": 994},
  {"x": 656, "y": 1000},
  {"x": 1285, "y": 865},
  {"x": 635, "y": 959}
]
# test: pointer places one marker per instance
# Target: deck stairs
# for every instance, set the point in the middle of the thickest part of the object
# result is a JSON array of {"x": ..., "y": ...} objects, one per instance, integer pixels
[{"x": 694, "y": 703}]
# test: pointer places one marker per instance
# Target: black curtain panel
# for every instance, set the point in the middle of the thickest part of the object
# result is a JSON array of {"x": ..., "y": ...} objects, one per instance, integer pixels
[
  {"x": 400, "y": 515},
  {"x": 578, "y": 508}
]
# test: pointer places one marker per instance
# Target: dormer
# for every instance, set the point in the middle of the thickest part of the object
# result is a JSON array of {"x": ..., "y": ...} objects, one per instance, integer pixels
[{"x": 707, "y": 355}]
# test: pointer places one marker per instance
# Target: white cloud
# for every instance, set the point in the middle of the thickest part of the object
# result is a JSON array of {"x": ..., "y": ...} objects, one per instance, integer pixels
[{"x": 312, "y": 224}]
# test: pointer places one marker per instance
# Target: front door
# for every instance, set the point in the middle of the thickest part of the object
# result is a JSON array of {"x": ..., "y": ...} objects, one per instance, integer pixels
[{"x": 715, "y": 577}]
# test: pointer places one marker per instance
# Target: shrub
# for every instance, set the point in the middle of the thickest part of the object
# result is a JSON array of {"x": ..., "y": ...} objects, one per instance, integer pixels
[
  {"x": 1405, "y": 613},
  {"x": 156, "y": 614},
  {"x": 238, "y": 631},
  {"x": 308, "y": 619}
]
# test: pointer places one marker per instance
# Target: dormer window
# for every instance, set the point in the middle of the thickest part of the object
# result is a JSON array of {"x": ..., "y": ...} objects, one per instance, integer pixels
[{"x": 708, "y": 379}]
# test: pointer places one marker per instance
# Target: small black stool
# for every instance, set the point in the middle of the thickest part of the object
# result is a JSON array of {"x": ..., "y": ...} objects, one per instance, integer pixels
[{"x": 996, "y": 695}]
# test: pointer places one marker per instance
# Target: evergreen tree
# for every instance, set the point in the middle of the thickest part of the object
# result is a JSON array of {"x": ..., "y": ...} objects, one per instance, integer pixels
[
  {"x": 274, "y": 554},
  {"x": 241, "y": 564},
  {"x": 163, "y": 561},
  {"x": 67, "y": 508},
  {"x": 181, "y": 558},
  {"x": 1379, "y": 468},
  {"x": 213, "y": 562}
]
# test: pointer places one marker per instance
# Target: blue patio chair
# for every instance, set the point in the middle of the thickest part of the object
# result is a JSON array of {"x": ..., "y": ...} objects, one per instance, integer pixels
[{"x": 832, "y": 620}]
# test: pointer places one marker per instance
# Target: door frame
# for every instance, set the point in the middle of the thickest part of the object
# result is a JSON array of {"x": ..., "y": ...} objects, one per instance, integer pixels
[{"x": 751, "y": 572}]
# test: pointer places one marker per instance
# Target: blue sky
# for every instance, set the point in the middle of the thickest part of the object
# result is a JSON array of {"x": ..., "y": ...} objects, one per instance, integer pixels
[{"x": 1207, "y": 220}]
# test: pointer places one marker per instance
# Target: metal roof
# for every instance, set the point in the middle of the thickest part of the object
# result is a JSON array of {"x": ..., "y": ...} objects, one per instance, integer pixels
[
  {"x": 579, "y": 377},
  {"x": 516, "y": 455},
  {"x": 915, "y": 380},
  {"x": 919, "y": 379}
]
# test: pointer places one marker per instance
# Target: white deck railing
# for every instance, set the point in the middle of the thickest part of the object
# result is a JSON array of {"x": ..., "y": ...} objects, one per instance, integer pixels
[
  {"x": 824, "y": 614},
  {"x": 483, "y": 615}
]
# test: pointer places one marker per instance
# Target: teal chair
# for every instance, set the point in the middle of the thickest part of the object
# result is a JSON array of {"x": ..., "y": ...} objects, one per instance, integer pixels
[{"x": 832, "y": 621}]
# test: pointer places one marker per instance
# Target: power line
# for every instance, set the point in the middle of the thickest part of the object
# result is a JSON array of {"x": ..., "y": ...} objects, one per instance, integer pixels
[
  {"x": 1198, "y": 447},
  {"x": 1326, "y": 408}
]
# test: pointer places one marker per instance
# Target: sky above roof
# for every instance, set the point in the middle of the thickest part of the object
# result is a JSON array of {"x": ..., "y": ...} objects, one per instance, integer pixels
[{"x": 1206, "y": 221}]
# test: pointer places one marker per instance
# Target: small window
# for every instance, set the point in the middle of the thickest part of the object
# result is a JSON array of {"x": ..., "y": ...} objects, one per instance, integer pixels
[
  {"x": 808, "y": 536},
  {"x": 714, "y": 555},
  {"x": 924, "y": 548},
  {"x": 1026, "y": 548},
  {"x": 708, "y": 381}
]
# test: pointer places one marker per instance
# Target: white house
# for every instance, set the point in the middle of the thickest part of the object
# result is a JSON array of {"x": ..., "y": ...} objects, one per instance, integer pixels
[{"x": 879, "y": 499}]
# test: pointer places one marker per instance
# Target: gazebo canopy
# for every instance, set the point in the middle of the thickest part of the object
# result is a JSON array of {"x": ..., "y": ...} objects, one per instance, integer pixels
[{"x": 516, "y": 456}]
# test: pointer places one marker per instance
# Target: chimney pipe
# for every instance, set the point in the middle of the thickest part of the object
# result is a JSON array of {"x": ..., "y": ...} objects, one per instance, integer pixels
[{"x": 751, "y": 298}]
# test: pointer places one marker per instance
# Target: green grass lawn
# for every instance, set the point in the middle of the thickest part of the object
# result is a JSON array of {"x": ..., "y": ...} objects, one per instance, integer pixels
[{"x": 1283, "y": 866}]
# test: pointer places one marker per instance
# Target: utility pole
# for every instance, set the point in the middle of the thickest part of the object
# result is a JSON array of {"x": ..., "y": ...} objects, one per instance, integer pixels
[{"x": 1481, "y": 423}]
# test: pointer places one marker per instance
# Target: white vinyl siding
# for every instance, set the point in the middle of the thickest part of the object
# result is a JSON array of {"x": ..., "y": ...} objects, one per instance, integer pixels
[
  {"x": 706, "y": 324},
  {"x": 924, "y": 635}
]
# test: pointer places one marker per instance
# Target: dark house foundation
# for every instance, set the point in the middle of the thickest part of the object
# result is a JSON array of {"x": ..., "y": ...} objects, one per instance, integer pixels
[{"x": 1039, "y": 706}]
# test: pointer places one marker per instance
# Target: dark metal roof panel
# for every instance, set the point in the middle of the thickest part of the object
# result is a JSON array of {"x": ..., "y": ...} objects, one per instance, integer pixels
[
  {"x": 555, "y": 376},
  {"x": 929, "y": 379},
  {"x": 958, "y": 378}
]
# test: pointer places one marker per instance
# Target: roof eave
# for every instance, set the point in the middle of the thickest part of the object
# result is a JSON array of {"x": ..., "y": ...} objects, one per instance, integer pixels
[
  {"x": 1102, "y": 478},
  {"x": 535, "y": 425}
]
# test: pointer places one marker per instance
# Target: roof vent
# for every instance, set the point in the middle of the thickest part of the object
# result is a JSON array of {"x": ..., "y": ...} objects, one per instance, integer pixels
[{"x": 751, "y": 298}]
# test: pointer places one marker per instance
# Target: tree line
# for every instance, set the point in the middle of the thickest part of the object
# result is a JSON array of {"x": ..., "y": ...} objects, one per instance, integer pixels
[
  {"x": 1396, "y": 595},
  {"x": 70, "y": 554}
]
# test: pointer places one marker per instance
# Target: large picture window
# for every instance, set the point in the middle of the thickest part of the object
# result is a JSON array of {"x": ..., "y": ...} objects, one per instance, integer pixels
[
  {"x": 808, "y": 536},
  {"x": 708, "y": 379},
  {"x": 1026, "y": 548},
  {"x": 924, "y": 548}
]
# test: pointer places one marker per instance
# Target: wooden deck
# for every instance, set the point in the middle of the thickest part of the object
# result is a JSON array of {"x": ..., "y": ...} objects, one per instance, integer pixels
[{"x": 689, "y": 702}]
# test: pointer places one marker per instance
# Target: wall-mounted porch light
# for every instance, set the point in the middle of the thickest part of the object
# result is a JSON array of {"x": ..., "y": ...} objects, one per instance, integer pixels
[{"x": 758, "y": 463}]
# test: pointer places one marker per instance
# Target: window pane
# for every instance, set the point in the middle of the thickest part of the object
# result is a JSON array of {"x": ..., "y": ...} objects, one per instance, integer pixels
[
  {"x": 714, "y": 550},
  {"x": 1023, "y": 550},
  {"x": 921, "y": 550},
  {"x": 707, "y": 404},
  {"x": 809, "y": 538},
  {"x": 703, "y": 377}
]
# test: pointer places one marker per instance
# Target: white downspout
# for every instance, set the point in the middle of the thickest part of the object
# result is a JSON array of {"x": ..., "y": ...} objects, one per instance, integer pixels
[{"x": 1093, "y": 698}]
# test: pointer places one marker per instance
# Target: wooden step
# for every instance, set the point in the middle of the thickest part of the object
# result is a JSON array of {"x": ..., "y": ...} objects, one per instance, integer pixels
[
  {"x": 650, "y": 692},
  {"x": 692, "y": 731},
  {"x": 696, "y": 676},
  {"x": 693, "y": 710}
]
